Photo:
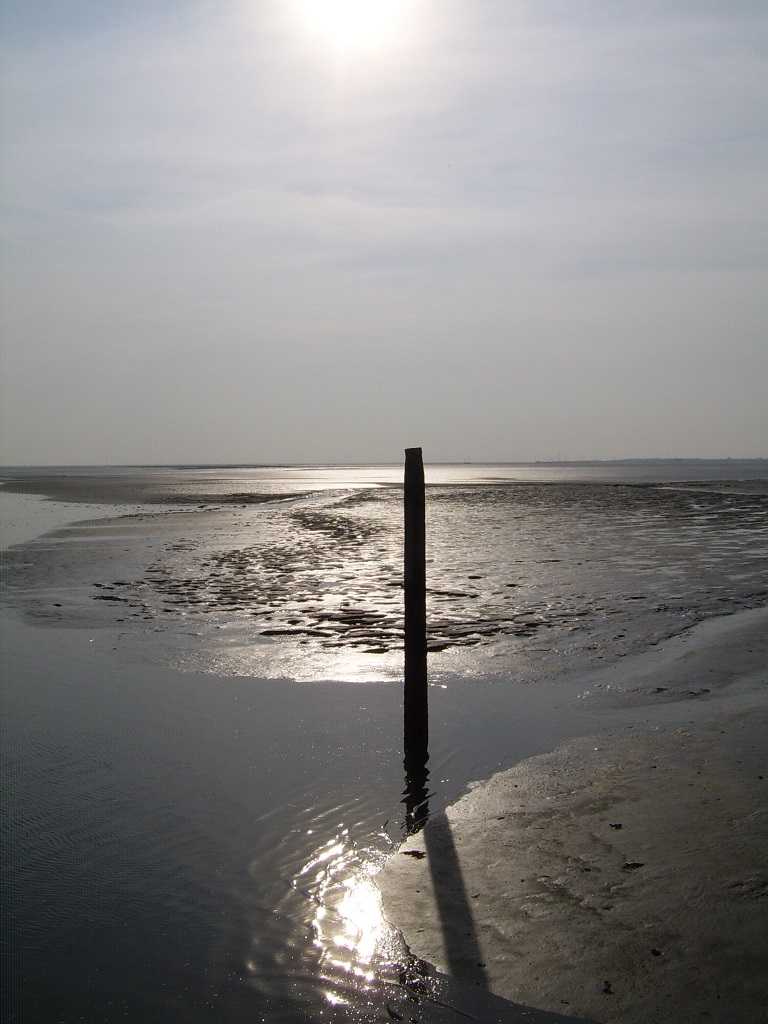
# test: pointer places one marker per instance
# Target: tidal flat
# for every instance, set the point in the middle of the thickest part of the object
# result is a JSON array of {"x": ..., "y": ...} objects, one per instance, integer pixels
[{"x": 203, "y": 722}]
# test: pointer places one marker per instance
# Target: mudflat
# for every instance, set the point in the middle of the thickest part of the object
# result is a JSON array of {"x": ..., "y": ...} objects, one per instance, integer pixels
[{"x": 623, "y": 876}]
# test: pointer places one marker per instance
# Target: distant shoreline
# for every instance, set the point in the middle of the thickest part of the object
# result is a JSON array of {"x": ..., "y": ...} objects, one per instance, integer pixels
[
  {"x": 240, "y": 484},
  {"x": 118, "y": 466}
]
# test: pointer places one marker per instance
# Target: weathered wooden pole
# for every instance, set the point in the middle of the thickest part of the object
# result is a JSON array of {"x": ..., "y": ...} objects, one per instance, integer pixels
[{"x": 415, "y": 582}]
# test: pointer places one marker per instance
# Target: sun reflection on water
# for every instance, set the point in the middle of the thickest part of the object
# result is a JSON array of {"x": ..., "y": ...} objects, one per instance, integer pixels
[{"x": 350, "y": 933}]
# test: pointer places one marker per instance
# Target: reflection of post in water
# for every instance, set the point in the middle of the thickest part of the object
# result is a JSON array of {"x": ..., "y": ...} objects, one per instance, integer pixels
[
  {"x": 415, "y": 586},
  {"x": 416, "y": 792}
]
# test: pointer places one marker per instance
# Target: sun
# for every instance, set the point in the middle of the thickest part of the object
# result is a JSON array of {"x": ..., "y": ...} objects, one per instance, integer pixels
[{"x": 353, "y": 23}]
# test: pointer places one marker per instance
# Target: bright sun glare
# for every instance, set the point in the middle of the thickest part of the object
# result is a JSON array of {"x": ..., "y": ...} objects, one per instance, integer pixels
[{"x": 352, "y": 23}]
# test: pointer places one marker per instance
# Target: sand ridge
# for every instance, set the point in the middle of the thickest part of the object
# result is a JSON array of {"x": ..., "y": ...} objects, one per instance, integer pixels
[{"x": 621, "y": 877}]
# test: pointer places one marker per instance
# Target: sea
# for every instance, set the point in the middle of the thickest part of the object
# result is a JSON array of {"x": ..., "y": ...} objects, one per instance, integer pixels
[{"x": 202, "y": 724}]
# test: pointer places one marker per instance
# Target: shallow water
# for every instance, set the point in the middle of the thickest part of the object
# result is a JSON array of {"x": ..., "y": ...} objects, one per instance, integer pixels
[
  {"x": 199, "y": 845},
  {"x": 177, "y": 840}
]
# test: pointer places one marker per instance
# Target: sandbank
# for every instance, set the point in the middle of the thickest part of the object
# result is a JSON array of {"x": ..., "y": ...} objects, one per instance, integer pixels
[
  {"x": 137, "y": 487},
  {"x": 624, "y": 875}
]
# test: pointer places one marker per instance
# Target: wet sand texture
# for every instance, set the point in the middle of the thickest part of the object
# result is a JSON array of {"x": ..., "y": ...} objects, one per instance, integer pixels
[
  {"x": 622, "y": 877},
  {"x": 545, "y": 572}
]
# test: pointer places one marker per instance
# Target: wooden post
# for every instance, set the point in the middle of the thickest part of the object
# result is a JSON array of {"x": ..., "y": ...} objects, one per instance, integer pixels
[{"x": 415, "y": 582}]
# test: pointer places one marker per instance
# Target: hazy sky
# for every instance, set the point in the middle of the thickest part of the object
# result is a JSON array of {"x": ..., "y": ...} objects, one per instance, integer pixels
[{"x": 237, "y": 232}]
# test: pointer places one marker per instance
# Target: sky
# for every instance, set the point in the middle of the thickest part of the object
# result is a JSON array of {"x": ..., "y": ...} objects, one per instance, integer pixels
[{"x": 262, "y": 232}]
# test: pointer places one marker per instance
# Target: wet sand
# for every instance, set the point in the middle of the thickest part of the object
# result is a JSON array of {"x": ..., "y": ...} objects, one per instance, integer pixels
[
  {"x": 623, "y": 876},
  {"x": 143, "y": 486},
  {"x": 550, "y": 577}
]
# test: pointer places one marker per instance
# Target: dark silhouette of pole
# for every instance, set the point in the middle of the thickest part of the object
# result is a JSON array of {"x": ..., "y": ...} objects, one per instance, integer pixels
[{"x": 415, "y": 582}]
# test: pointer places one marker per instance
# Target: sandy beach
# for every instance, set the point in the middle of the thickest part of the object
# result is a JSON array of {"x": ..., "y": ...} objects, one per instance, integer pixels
[{"x": 622, "y": 877}]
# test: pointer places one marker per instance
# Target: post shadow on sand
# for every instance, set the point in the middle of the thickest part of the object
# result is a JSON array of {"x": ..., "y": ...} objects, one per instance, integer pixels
[
  {"x": 457, "y": 923},
  {"x": 464, "y": 991}
]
